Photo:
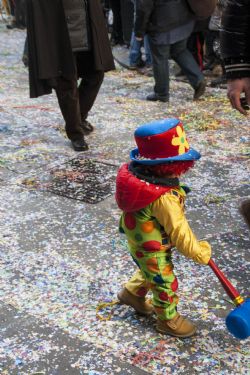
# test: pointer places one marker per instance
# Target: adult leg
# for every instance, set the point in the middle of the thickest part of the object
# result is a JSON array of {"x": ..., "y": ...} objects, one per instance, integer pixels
[
  {"x": 148, "y": 54},
  {"x": 210, "y": 56},
  {"x": 160, "y": 56},
  {"x": 12, "y": 7},
  {"x": 89, "y": 86},
  {"x": 88, "y": 90},
  {"x": 189, "y": 67},
  {"x": 68, "y": 99},
  {"x": 12, "y": 25},
  {"x": 187, "y": 63},
  {"x": 134, "y": 51},
  {"x": 19, "y": 14},
  {"x": 117, "y": 33}
]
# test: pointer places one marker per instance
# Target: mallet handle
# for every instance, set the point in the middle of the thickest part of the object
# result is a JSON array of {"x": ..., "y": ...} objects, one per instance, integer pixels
[{"x": 229, "y": 288}]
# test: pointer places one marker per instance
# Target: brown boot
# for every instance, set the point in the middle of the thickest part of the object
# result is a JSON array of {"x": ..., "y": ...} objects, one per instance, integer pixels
[
  {"x": 140, "y": 304},
  {"x": 178, "y": 326}
]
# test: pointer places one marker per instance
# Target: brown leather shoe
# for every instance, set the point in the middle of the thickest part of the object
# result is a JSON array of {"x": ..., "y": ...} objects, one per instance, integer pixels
[
  {"x": 140, "y": 304},
  {"x": 178, "y": 326}
]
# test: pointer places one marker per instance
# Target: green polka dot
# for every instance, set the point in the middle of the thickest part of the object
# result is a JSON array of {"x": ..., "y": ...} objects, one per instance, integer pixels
[
  {"x": 138, "y": 237},
  {"x": 182, "y": 139}
]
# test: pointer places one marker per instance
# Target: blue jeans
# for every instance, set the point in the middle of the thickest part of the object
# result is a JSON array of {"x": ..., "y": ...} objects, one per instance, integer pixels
[
  {"x": 135, "y": 51},
  {"x": 180, "y": 54}
]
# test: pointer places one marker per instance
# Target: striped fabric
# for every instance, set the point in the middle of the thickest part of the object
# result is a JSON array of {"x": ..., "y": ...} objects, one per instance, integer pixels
[{"x": 237, "y": 68}]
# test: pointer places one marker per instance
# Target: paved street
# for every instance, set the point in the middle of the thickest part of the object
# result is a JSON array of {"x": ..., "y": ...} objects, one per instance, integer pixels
[{"x": 61, "y": 255}]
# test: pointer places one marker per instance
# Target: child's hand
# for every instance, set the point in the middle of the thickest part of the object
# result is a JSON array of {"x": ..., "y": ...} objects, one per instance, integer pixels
[{"x": 205, "y": 253}]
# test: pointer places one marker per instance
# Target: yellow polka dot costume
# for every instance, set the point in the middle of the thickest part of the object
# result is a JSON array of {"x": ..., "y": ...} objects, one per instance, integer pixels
[{"x": 153, "y": 218}]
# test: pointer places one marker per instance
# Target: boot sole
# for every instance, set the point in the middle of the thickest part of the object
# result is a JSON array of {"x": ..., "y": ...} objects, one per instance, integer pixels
[
  {"x": 176, "y": 335},
  {"x": 79, "y": 149},
  {"x": 123, "y": 302}
]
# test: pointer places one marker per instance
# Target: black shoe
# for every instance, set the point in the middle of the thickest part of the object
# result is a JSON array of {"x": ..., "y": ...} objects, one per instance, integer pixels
[
  {"x": 86, "y": 127},
  {"x": 79, "y": 145},
  {"x": 155, "y": 97},
  {"x": 200, "y": 89},
  {"x": 11, "y": 26},
  {"x": 25, "y": 60},
  {"x": 15, "y": 25}
]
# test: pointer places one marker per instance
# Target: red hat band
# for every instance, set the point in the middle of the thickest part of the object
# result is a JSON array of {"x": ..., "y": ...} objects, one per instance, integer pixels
[{"x": 167, "y": 144}]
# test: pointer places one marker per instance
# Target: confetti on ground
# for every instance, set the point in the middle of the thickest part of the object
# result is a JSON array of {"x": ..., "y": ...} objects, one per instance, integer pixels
[{"x": 61, "y": 258}]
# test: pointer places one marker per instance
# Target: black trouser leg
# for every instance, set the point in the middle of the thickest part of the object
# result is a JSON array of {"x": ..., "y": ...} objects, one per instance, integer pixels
[
  {"x": 68, "y": 99},
  {"x": 88, "y": 90},
  {"x": 117, "y": 33},
  {"x": 12, "y": 7},
  {"x": 20, "y": 13}
]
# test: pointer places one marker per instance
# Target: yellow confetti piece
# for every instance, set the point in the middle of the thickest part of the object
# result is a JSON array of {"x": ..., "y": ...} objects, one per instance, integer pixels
[{"x": 102, "y": 306}]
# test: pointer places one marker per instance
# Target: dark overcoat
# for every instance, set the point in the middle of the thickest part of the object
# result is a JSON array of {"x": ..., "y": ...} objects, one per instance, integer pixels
[{"x": 50, "y": 52}]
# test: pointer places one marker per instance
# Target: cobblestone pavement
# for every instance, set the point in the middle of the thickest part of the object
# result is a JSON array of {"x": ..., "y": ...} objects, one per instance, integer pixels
[{"x": 61, "y": 257}]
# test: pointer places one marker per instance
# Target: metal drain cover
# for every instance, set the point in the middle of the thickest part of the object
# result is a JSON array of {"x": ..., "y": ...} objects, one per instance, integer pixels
[{"x": 86, "y": 180}]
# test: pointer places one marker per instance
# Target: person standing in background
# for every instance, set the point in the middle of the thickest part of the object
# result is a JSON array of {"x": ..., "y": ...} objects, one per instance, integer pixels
[
  {"x": 117, "y": 31},
  {"x": 168, "y": 24},
  {"x": 235, "y": 49},
  {"x": 68, "y": 40},
  {"x": 17, "y": 10},
  {"x": 135, "y": 55}
]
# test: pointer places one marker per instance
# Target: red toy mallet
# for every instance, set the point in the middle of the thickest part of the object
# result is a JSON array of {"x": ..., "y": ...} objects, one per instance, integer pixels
[{"x": 238, "y": 321}]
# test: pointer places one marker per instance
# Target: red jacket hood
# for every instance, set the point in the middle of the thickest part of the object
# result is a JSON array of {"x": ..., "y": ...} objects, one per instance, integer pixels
[{"x": 133, "y": 194}]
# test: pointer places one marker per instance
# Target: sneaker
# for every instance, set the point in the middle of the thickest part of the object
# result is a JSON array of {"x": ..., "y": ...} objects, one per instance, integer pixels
[
  {"x": 155, "y": 97},
  {"x": 86, "y": 127},
  {"x": 79, "y": 145},
  {"x": 140, "y": 304},
  {"x": 178, "y": 326},
  {"x": 200, "y": 89}
]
